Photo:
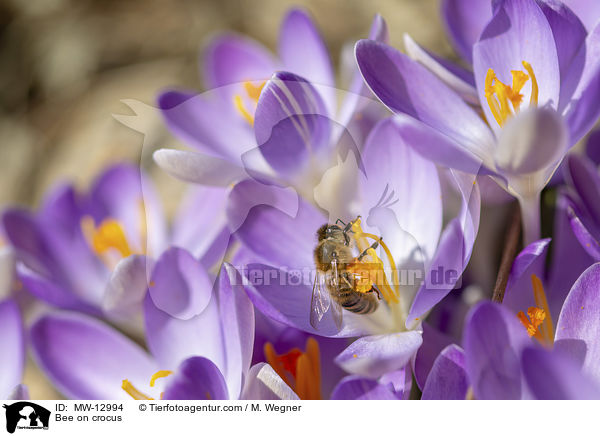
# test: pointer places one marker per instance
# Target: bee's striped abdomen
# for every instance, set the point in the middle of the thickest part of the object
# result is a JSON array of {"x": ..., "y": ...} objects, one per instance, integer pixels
[{"x": 356, "y": 302}]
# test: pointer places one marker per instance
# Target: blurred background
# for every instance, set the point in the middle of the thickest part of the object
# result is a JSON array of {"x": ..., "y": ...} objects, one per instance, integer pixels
[{"x": 65, "y": 66}]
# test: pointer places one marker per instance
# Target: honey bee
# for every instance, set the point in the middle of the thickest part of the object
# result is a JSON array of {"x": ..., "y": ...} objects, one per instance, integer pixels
[{"x": 336, "y": 278}]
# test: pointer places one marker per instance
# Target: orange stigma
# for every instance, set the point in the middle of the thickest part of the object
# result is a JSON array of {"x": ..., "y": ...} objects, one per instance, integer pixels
[
  {"x": 539, "y": 325},
  {"x": 301, "y": 371},
  {"x": 253, "y": 94},
  {"x": 504, "y": 100}
]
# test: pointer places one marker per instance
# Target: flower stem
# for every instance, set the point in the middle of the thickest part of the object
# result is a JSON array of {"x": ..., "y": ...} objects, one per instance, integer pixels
[
  {"x": 530, "y": 213},
  {"x": 508, "y": 256}
]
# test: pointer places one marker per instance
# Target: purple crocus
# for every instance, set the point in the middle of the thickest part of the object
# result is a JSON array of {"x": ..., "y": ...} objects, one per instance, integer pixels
[
  {"x": 499, "y": 361},
  {"x": 231, "y": 127},
  {"x": 536, "y": 81},
  {"x": 203, "y": 352},
  {"x": 465, "y": 20},
  {"x": 398, "y": 194},
  {"x": 93, "y": 251}
]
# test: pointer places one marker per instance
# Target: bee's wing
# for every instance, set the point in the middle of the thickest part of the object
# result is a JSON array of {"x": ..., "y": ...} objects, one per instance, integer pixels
[
  {"x": 320, "y": 300},
  {"x": 336, "y": 309}
]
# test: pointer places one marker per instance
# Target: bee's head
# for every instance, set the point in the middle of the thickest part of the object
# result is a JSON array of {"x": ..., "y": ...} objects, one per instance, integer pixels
[{"x": 327, "y": 231}]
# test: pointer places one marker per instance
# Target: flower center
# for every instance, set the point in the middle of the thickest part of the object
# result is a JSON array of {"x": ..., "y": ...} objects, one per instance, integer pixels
[
  {"x": 539, "y": 325},
  {"x": 301, "y": 371},
  {"x": 252, "y": 93},
  {"x": 372, "y": 271},
  {"x": 137, "y": 394},
  {"x": 501, "y": 98}
]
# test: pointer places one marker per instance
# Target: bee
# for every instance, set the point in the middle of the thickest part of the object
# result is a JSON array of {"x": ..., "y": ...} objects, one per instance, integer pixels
[{"x": 336, "y": 281}]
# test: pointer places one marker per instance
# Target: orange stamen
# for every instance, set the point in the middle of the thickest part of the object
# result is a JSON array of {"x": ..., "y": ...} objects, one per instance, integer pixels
[{"x": 301, "y": 371}]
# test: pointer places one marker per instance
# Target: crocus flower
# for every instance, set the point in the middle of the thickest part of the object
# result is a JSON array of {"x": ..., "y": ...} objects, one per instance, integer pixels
[
  {"x": 537, "y": 93},
  {"x": 465, "y": 20},
  {"x": 93, "y": 252},
  {"x": 203, "y": 352},
  {"x": 12, "y": 343},
  {"x": 230, "y": 124},
  {"x": 499, "y": 361},
  {"x": 398, "y": 194}
]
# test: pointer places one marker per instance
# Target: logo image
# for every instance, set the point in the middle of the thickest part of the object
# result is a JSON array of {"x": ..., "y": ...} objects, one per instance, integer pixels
[{"x": 26, "y": 415}]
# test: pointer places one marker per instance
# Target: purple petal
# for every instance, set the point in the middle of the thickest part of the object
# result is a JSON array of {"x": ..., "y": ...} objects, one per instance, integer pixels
[
  {"x": 524, "y": 260},
  {"x": 493, "y": 339},
  {"x": 412, "y": 182},
  {"x": 464, "y": 21},
  {"x": 53, "y": 293},
  {"x": 237, "y": 323},
  {"x": 579, "y": 320},
  {"x": 433, "y": 344},
  {"x": 407, "y": 87},
  {"x": 453, "y": 251},
  {"x": 588, "y": 12},
  {"x": 519, "y": 31},
  {"x": 232, "y": 59},
  {"x": 304, "y": 53},
  {"x": 197, "y": 378},
  {"x": 285, "y": 297},
  {"x": 172, "y": 340},
  {"x": 551, "y": 376},
  {"x": 581, "y": 90},
  {"x": 208, "y": 122},
  {"x": 198, "y": 228},
  {"x": 180, "y": 286},
  {"x": 373, "y": 356},
  {"x": 86, "y": 359},
  {"x": 259, "y": 211},
  {"x": 585, "y": 237},
  {"x": 461, "y": 81},
  {"x": 582, "y": 175},
  {"x": 568, "y": 30},
  {"x": 12, "y": 344},
  {"x": 361, "y": 388},
  {"x": 448, "y": 377},
  {"x": 263, "y": 383},
  {"x": 569, "y": 258},
  {"x": 24, "y": 235},
  {"x": 126, "y": 289},
  {"x": 440, "y": 148},
  {"x": 291, "y": 123},
  {"x": 198, "y": 168}
]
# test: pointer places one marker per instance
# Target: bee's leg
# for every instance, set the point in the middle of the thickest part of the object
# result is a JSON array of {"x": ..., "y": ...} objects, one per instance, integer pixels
[
  {"x": 374, "y": 289},
  {"x": 374, "y": 246},
  {"x": 340, "y": 221},
  {"x": 348, "y": 228}
]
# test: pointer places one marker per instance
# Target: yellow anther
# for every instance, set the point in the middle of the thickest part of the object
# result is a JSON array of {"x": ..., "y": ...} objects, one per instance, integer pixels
[
  {"x": 533, "y": 100},
  {"x": 239, "y": 105},
  {"x": 253, "y": 93},
  {"x": 136, "y": 394},
  {"x": 499, "y": 95},
  {"x": 253, "y": 90},
  {"x": 133, "y": 392},
  {"x": 301, "y": 371},
  {"x": 376, "y": 268},
  {"x": 159, "y": 374},
  {"x": 108, "y": 235}
]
